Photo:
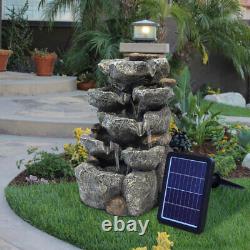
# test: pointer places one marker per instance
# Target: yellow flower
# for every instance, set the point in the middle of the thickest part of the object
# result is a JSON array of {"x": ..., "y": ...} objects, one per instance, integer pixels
[
  {"x": 211, "y": 155},
  {"x": 66, "y": 146},
  {"x": 223, "y": 150},
  {"x": 238, "y": 126},
  {"x": 163, "y": 242},
  {"x": 87, "y": 131},
  {"x": 172, "y": 126},
  {"x": 204, "y": 55},
  {"x": 78, "y": 132}
]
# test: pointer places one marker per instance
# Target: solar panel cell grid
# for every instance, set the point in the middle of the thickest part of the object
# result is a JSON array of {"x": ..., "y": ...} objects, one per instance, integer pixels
[{"x": 184, "y": 191}]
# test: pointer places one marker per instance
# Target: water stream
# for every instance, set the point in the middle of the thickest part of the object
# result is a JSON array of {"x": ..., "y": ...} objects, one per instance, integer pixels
[
  {"x": 116, "y": 148},
  {"x": 149, "y": 134}
]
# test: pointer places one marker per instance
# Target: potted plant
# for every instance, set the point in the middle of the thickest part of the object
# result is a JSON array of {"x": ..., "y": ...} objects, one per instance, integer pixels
[
  {"x": 86, "y": 81},
  {"x": 44, "y": 62},
  {"x": 4, "y": 57}
]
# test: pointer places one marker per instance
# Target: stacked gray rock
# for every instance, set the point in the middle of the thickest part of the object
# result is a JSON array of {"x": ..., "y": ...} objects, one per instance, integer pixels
[{"x": 128, "y": 148}]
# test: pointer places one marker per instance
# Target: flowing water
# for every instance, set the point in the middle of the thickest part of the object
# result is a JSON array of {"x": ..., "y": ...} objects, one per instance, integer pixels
[
  {"x": 116, "y": 148},
  {"x": 149, "y": 134}
]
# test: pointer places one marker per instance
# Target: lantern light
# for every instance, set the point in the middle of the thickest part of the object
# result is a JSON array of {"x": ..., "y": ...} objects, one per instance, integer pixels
[{"x": 145, "y": 31}]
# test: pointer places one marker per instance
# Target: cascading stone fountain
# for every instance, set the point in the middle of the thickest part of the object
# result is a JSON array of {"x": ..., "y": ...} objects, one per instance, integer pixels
[{"x": 128, "y": 147}]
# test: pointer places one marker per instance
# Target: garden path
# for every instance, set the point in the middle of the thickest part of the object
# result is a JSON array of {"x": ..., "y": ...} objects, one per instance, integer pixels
[
  {"x": 16, "y": 234},
  {"x": 42, "y": 106},
  {"x": 236, "y": 120}
]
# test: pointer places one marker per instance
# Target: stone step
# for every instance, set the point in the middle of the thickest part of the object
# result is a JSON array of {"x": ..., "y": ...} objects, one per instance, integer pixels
[
  {"x": 53, "y": 115},
  {"x": 24, "y": 84}
]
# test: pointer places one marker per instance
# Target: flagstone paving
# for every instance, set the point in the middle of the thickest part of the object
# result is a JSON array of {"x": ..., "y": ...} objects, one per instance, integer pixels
[{"x": 53, "y": 115}]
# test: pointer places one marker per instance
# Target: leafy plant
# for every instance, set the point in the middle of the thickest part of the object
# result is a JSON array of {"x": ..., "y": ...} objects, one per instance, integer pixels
[
  {"x": 42, "y": 52},
  {"x": 76, "y": 153},
  {"x": 183, "y": 92},
  {"x": 211, "y": 91},
  {"x": 193, "y": 115},
  {"x": 47, "y": 165},
  {"x": 17, "y": 37},
  {"x": 230, "y": 146},
  {"x": 224, "y": 164},
  {"x": 199, "y": 122}
]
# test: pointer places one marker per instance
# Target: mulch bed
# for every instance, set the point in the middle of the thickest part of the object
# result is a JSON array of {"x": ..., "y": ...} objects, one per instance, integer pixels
[
  {"x": 20, "y": 180},
  {"x": 208, "y": 148},
  {"x": 204, "y": 150},
  {"x": 240, "y": 172}
]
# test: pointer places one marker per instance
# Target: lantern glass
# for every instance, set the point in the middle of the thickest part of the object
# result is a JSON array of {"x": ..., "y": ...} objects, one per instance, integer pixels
[{"x": 145, "y": 31}]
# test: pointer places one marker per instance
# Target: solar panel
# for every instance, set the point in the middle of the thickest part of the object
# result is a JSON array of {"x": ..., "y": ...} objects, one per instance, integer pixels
[{"x": 185, "y": 192}]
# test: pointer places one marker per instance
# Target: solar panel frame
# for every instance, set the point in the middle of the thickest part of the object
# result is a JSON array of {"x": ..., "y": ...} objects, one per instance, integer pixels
[{"x": 205, "y": 197}]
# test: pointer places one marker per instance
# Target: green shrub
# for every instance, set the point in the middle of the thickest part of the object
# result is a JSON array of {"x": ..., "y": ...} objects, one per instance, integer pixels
[
  {"x": 47, "y": 165},
  {"x": 196, "y": 119},
  {"x": 224, "y": 164},
  {"x": 17, "y": 36}
]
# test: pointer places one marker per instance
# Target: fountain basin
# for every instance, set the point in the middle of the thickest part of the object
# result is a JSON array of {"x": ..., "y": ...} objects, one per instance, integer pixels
[
  {"x": 126, "y": 130},
  {"x": 125, "y": 74},
  {"x": 145, "y": 160},
  {"x": 151, "y": 98},
  {"x": 107, "y": 101},
  {"x": 121, "y": 130},
  {"x": 99, "y": 150}
]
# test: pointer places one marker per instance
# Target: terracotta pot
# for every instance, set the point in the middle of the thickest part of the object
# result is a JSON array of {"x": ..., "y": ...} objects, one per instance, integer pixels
[
  {"x": 45, "y": 64},
  {"x": 4, "y": 57},
  {"x": 86, "y": 85}
]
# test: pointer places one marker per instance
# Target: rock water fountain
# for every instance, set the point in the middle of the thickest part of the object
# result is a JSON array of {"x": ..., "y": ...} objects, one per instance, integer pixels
[{"x": 128, "y": 147}]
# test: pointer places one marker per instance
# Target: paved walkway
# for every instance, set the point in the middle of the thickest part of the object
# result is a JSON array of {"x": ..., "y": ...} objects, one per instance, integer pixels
[
  {"x": 52, "y": 115},
  {"x": 236, "y": 120},
  {"x": 15, "y": 234},
  {"x": 14, "y": 83}
]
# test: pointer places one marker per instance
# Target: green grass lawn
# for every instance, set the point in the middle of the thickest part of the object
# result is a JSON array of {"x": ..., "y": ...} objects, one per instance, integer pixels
[
  {"x": 56, "y": 209},
  {"x": 230, "y": 110}
]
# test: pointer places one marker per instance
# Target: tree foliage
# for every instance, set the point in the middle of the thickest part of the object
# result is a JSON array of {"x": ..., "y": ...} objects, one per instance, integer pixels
[
  {"x": 100, "y": 26},
  {"x": 213, "y": 26}
]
